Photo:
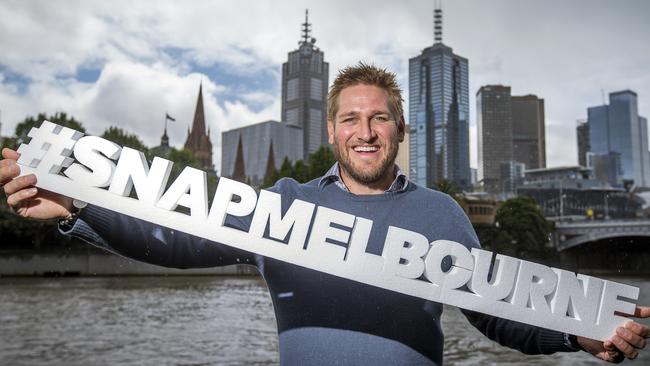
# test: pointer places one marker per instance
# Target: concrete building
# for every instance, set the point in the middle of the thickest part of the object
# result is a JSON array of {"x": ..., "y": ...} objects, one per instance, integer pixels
[
  {"x": 582, "y": 134},
  {"x": 305, "y": 77},
  {"x": 494, "y": 124},
  {"x": 248, "y": 153},
  {"x": 528, "y": 131},
  {"x": 511, "y": 137},
  {"x": 618, "y": 128},
  {"x": 439, "y": 114},
  {"x": 572, "y": 191}
]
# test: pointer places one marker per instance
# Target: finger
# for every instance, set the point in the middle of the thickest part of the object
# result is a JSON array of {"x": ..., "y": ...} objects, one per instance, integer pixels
[
  {"x": 640, "y": 329},
  {"x": 7, "y": 153},
  {"x": 630, "y": 337},
  {"x": 8, "y": 171},
  {"x": 20, "y": 183},
  {"x": 623, "y": 346},
  {"x": 7, "y": 162},
  {"x": 16, "y": 199},
  {"x": 642, "y": 312}
]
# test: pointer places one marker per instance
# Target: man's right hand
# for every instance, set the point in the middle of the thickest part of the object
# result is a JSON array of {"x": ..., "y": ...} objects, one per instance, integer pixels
[{"x": 24, "y": 198}]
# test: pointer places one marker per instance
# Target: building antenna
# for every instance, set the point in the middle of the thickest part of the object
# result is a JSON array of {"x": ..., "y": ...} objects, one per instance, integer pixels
[
  {"x": 437, "y": 22},
  {"x": 602, "y": 93},
  {"x": 306, "y": 28}
]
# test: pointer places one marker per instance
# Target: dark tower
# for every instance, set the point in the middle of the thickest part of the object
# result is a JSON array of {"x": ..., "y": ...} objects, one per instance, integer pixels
[
  {"x": 198, "y": 140},
  {"x": 304, "y": 91},
  {"x": 239, "y": 173}
]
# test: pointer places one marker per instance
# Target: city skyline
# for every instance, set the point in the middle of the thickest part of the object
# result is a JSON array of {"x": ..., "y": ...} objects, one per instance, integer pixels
[{"x": 110, "y": 64}]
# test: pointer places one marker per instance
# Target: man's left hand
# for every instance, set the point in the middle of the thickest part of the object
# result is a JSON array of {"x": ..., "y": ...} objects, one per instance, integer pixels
[{"x": 626, "y": 343}]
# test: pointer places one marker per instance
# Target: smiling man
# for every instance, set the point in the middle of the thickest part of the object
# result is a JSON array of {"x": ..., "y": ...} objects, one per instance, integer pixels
[{"x": 324, "y": 319}]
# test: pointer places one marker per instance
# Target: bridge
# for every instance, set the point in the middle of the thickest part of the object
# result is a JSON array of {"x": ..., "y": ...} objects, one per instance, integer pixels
[{"x": 570, "y": 234}]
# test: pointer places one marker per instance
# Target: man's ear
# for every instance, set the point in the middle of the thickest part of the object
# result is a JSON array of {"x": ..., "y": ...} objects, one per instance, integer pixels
[
  {"x": 401, "y": 128},
  {"x": 330, "y": 131}
]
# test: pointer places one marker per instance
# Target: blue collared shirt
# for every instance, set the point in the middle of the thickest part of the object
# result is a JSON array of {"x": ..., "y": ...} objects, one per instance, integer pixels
[{"x": 334, "y": 175}]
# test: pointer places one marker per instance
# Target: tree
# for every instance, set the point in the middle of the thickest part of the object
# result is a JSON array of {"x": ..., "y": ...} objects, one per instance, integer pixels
[
  {"x": 320, "y": 161},
  {"x": 123, "y": 138},
  {"x": 450, "y": 188},
  {"x": 301, "y": 171},
  {"x": 60, "y": 118},
  {"x": 522, "y": 229}
]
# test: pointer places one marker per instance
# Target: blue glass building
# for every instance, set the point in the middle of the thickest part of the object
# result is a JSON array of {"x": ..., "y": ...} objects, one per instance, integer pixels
[
  {"x": 439, "y": 116},
  {"x": 618, "y": 128}
]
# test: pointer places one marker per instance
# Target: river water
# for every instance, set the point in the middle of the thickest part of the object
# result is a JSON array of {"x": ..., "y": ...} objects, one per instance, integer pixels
[{"x": 187, "y": 321}]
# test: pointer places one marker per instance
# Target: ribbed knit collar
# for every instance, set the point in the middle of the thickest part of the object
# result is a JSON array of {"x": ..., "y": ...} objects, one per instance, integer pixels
[{"x": 333, "y": 175}]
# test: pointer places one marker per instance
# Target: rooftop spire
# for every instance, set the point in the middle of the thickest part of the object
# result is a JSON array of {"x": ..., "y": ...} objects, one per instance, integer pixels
[
  {"x": 306, "y": 28},
  {"x": 437, "y": 22}
]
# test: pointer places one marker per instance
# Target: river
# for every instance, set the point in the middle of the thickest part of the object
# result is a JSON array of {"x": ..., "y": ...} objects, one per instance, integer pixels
[{"x": 187, "y": 321}]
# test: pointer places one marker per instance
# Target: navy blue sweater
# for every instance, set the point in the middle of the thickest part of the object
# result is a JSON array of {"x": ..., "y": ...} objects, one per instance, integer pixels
[{"x": 323, "y": 319}]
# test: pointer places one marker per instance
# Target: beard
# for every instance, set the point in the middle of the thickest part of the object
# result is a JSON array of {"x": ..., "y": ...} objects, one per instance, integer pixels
[{"x": 367, "y": 176}]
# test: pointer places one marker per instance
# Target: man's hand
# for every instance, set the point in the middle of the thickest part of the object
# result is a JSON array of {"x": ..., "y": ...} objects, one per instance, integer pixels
[
  {"x": 25, "y": 199},
  {"x": 626, "y": 343}
]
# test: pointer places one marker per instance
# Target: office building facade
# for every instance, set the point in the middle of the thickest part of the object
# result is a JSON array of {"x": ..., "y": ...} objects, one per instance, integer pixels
[
  {"x": 618, "y": 128},
  {"x": 439, "y": 114},
  {"x": 528, "y": 131},
  {"x": 582, "y": 135},
  {"x": 246, "y": 151},
  {"x": 305, "y": 78},
  {"x": 494, "y": 125}
]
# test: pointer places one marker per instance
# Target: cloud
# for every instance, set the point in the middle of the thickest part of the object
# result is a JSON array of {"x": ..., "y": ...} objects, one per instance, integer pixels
[{"x": 150, "y": 58}]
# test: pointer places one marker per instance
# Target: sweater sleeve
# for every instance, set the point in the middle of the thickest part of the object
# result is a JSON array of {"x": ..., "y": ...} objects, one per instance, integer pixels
[
  {"x": 526, "y": 338},
  {"x": 146, "y": 242}
]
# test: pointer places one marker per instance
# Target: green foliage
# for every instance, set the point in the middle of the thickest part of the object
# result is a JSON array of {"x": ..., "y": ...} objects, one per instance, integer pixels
[
  {"x": 60, "y": 118},
  {"x": 319, "y": 162},
  {"x": 522, "y": 230},
  {"x": 123, "y": 138},
  {"x": 183, "y": 158},
  {"x": 450, "y": 188}
]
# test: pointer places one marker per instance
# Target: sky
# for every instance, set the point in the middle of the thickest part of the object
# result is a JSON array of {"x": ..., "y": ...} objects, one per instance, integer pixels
[{"x": 128, "y": 63}]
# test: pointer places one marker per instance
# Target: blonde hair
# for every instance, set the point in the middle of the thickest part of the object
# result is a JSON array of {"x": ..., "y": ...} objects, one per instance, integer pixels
[{"x": 367, "y": 75}]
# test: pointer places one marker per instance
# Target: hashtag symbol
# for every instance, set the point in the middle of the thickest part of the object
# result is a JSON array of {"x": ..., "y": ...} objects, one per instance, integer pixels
[{"x": 50, "y": 147}]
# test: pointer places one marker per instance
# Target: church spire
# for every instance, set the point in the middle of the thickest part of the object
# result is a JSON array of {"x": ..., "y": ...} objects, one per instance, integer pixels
[
  {"x": 198, "y": 125},
  {"x": 270, "y": 163},
  {"x": 239, "y": 172},
  {"x": 198, "y": 141}
]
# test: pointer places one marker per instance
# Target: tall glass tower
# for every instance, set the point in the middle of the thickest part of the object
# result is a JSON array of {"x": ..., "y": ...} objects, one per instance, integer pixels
[
  {"x": 439, "y": 114},
  {"x": 618, "y": 128},
  {"x": 304, "y": 91}
]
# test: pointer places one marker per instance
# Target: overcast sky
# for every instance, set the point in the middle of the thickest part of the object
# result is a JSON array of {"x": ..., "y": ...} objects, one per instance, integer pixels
[{"x": 126, "y": 63}]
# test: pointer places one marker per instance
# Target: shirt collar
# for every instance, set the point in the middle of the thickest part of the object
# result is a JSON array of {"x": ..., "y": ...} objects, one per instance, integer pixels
[{"x": 334, "y": 175}]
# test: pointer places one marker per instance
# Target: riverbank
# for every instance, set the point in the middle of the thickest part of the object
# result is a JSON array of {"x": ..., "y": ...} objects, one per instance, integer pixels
[{"x": 96, "y": 263}]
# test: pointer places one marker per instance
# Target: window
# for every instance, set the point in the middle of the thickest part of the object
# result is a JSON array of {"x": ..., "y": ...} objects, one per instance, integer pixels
[
  {"x": 316, "y": 89},
  {"x": 293, "y": 88},
  {"x": 292, "y": 117}
]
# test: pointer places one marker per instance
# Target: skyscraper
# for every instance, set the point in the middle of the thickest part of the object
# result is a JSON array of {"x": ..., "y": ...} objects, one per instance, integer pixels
[
  {"x": 305, "y": 77},
  {"x": 618, "y": 128},
  {"x": 528, "y": 136},
  {"x": 439, "y": 114},
  {"x": 495, "y": 137},
  {"x": 198, "y": 139},
  {"x": 582, "y": 134}
]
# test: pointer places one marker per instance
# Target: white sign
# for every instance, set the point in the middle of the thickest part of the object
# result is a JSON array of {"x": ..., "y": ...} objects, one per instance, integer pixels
[{"x": 104, "y": 174}]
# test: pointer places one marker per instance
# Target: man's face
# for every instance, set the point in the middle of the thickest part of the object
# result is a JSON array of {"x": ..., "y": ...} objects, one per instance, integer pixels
[{"x": 365, "y": 134}]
